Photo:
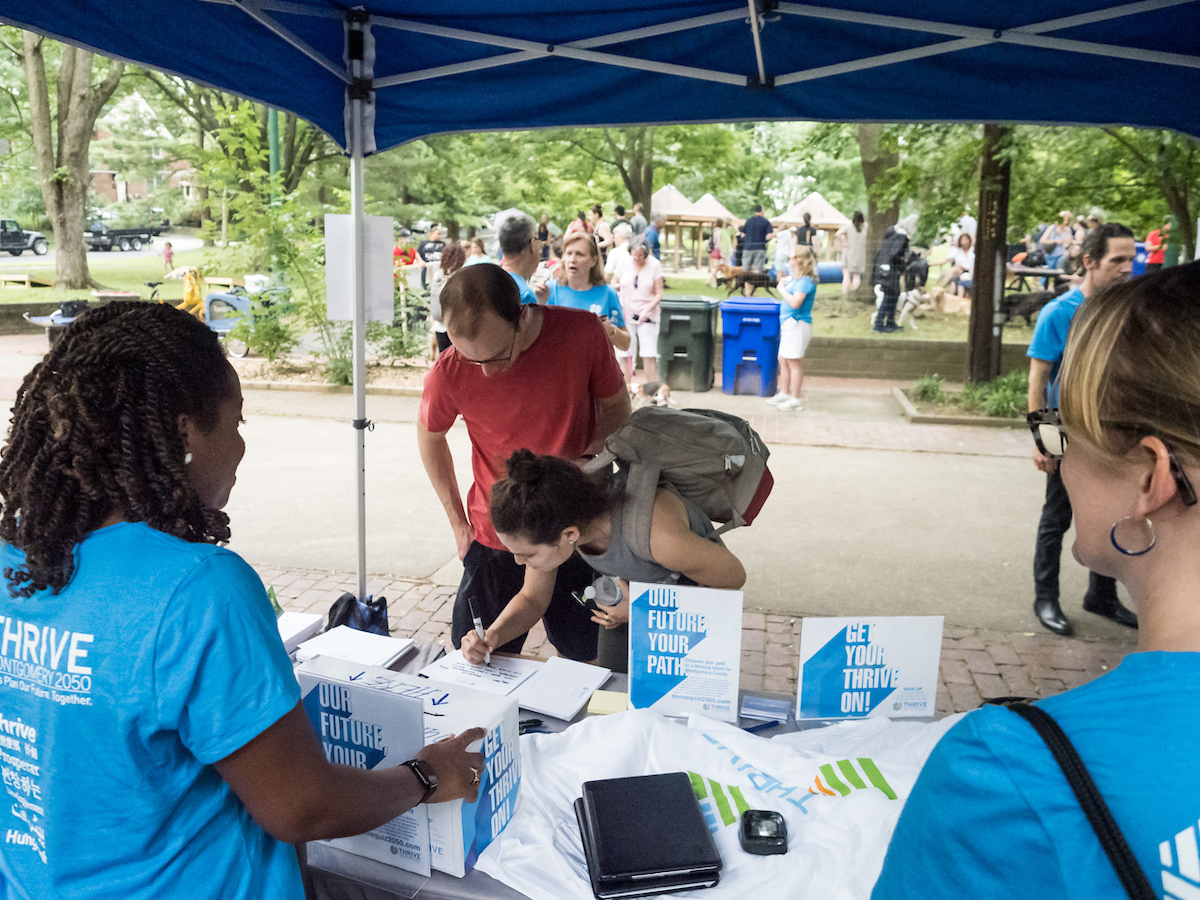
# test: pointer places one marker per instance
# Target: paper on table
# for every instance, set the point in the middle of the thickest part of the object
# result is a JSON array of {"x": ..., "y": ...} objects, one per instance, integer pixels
[
  {"x": 561, "y": 688},
  {"x": 297, "y": 627},
  {"x": 356, "y": 646},
  {"x": 502, "y": 677},
  {"x": 604, "y": 703}
]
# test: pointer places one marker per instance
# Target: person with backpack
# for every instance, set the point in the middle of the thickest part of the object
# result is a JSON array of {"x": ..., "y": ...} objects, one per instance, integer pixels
[{"x": 548, "y": 511}]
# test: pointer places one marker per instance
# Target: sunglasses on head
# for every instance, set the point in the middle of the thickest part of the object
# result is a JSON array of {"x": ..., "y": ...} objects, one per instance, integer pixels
[{"x": 1051, "y": 440}]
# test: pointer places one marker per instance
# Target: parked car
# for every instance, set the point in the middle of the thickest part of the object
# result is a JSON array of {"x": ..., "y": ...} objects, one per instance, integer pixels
[
  {"x": 100, "y": 237},
  {"x": 16, "y": 240}
]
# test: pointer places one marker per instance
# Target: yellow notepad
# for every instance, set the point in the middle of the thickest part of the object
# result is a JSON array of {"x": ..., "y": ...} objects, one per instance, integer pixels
[{"x": 605, "y": 702}]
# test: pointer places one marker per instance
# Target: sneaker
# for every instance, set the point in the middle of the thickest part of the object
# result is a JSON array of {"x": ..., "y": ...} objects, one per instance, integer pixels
[
  {"x": 778, "y": 398},
  {"x": 791, "y": 403}
]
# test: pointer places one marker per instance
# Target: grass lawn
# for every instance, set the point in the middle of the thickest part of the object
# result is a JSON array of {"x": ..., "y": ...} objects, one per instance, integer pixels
[
  {"x": 835, "y": 317},
  {"x": 117, "y": 271}
]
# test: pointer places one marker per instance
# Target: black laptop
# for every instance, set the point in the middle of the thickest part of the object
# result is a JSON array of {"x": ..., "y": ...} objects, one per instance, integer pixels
[{"x": 645, "y": 835}]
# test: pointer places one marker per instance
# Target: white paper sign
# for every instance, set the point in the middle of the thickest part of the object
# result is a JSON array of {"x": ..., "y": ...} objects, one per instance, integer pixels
[
  {"x": 852, "y": 668},
  {"x": 378, "y": 289},
  {"x": 685, "y": 650}
]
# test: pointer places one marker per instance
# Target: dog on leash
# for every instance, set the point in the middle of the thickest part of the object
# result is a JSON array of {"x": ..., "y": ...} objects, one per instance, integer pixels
[
  {"x": 737, "y": 278},
  {"x": 906, "y": 305},
  {"x": 1029, "y": 305}
]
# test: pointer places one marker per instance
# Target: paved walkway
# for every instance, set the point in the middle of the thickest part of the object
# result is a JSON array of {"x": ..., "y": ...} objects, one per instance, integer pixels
[
  {"x": 843, "y": 413},
  {"x": 976, "y": 663}
]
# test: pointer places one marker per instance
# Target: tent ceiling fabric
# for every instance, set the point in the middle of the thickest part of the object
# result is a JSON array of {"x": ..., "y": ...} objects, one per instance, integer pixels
[{"x": 485, "y": 65}]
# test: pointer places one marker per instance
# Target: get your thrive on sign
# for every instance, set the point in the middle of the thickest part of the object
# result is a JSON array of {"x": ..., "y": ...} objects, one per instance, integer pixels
[
  {"x": 685, "y": 649},
  {"x": 882, "y": 666}
]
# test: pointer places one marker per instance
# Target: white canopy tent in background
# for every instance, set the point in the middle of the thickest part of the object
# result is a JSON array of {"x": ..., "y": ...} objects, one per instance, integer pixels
[
  {"x": 711, "y": 206},
  {"x": 824, "y": 215},
  {"x": 390, "y": 71}
]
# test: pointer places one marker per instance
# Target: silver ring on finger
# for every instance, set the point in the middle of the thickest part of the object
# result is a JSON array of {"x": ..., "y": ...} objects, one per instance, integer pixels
[{"x": 474, "y": 776}]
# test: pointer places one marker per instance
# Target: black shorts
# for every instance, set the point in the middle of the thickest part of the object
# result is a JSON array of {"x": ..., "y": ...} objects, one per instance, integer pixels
[{"x": 493, "y": 577}]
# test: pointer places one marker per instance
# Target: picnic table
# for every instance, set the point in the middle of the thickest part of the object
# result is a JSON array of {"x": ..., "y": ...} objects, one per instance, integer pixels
[{"x": 1019, "y": 276}]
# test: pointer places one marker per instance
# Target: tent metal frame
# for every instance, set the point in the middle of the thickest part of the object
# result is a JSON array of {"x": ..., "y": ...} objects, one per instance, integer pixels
[
  {"x": 966, "y": 37},
  {"x": 356, "y": 73}
]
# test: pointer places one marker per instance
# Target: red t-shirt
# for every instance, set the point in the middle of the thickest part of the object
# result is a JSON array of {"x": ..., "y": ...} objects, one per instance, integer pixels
[
  {"x": 1156, "y": 256},
  {"x": 546, "y": 402}
]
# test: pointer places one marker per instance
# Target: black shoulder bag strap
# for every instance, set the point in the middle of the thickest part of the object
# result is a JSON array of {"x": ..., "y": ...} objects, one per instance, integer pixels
[{"x": 1134, "y": 880}]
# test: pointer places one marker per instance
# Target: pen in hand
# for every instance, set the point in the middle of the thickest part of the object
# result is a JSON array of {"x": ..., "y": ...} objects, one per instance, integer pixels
[{"x": 487, "y": 654}]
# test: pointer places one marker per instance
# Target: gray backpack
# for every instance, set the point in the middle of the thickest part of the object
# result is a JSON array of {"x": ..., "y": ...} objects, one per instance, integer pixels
[{"x": 711, "y": 458}]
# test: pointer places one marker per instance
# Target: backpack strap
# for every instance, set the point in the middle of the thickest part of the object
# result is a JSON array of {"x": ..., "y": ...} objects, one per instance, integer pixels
[
  {"x": 641, "y": 487},
  {"x": 1133, "y": 879}
]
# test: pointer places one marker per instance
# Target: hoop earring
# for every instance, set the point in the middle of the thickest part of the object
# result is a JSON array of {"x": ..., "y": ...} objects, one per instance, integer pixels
[{"x": 1112, "y": 536}]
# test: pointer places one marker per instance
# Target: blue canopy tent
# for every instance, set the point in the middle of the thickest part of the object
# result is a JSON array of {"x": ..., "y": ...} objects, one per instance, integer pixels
[{"x": 389, "y": 71}]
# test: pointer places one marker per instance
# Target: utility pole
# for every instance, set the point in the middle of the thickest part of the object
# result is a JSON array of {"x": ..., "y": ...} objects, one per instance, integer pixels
[
  {"x": 991, "y": 251},
  {"x": 273, "y": 148}
]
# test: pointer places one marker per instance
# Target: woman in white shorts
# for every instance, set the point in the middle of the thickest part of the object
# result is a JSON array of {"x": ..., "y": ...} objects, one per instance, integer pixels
[
  {"x": 798, "y": 290},
  {"x": 640, "y": 285}
]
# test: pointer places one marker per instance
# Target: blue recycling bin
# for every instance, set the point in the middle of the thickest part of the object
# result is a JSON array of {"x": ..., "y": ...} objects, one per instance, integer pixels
[
  {"x": 1139, "y": 259},
  {"x": 750, "y": 358}
]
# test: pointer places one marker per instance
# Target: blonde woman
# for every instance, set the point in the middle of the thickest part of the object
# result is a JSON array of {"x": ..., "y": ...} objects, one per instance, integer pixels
[
  {"x": 580, "y": 284},
  {"x": 798, "y": 290},
  {"x": 992, "y": 814}
]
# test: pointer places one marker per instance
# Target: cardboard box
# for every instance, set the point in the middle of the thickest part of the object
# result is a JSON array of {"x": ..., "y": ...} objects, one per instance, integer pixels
[{"x": 458, "y": 831}]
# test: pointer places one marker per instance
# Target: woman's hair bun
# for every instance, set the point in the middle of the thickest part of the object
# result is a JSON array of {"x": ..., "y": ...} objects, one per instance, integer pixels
[{"x": 525, "y": 467}]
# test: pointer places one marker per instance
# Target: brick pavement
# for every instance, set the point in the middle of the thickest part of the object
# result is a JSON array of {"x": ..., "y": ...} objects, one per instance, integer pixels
[{"x": 976, "y": 663}]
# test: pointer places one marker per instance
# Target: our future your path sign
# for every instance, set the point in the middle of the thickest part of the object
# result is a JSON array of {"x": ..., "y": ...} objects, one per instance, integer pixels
[
  {"x": 852, "y": 668},
  {"x": 685, "y": 650}
]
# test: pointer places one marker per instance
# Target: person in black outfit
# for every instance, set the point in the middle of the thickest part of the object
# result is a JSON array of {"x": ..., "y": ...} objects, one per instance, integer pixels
[
  {"x": 430, "y": 252},
  {"x": 886, "y": 272}
]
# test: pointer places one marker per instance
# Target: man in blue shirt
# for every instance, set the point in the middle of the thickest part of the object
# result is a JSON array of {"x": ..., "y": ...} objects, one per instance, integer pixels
[
  {"x": 657, "y": 221},
  {"x": 757, "y": 231},
  {"x": 521, "y": 252},
  {"x": 1108, "y": 252}
]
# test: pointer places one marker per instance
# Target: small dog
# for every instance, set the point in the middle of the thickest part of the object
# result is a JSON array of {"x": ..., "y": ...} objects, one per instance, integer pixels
[
  {"x": 737, "y": 278},
  {"x": 652, "y": 393},
  {"x": 1028, "y": 305},
  {"x": 906, "y": 305}
]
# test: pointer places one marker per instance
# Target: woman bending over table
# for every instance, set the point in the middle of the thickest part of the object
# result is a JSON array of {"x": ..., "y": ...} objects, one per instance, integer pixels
[
  {"x": 547, "y": 509},
  {"x": 991, "y": 814},
  {"x": 159, "y": 748}
]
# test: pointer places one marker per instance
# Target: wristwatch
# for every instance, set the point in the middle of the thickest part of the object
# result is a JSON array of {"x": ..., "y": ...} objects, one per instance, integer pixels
[{"x": 425, "y": 775}]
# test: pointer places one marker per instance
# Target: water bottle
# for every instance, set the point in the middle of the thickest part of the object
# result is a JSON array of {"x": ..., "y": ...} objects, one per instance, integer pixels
[{"x": 604, "y": 590}]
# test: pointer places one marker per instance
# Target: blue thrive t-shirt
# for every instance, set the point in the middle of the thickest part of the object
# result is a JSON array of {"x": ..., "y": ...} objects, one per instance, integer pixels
[
  {"x": 527, "y": 294},
  {"x": 802, "y": 313},
  {"x": 599, "y": 299},
  {"x": 992, "y": 815},
  {"x": 1050, "y": 337},
  {"x": 158, "y": 659}
]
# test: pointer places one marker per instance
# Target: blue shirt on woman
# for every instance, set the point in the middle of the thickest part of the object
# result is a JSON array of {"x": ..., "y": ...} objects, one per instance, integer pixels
[
  {"x": 992, "y": 815},
  {"x": 802, "y": 313},
  {"x": 158, "y": 659},
  {"x": 599, "y": 299}
]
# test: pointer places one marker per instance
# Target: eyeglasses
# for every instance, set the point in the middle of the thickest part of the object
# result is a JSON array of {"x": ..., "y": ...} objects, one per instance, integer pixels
[
  {"x": 507, "y": 357},
  {"x": 1051, "y": 440}
]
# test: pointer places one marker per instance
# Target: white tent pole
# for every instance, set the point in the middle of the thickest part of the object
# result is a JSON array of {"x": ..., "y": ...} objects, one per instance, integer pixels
[
  {"x": 359, "y": 334},
  {"x": 762, "y": 72}
]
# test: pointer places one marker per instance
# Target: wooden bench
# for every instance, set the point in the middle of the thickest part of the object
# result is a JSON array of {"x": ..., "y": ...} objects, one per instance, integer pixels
[
  {"x": 221, "y": 283},
  {"x": 14, "y": 280}
]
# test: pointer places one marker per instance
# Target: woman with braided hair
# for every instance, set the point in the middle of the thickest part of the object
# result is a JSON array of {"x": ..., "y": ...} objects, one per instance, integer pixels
[
  {"x": 150, "y": 730},
  {"x": 547, "y": 510}
]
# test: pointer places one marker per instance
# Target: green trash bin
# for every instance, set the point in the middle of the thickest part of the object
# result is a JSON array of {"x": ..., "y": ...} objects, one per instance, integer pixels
[{"x": 687, "y": 332}]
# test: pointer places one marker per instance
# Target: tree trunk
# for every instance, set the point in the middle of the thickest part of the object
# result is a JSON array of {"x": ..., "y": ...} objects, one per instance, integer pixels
[
  {"x": 62, "y": 163},
  {"x": 202, "y": 190},
  {"x": 635, "y": 162},
  {"x": 987, "y": 289},
  {"x": 874, "y": 163}
]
